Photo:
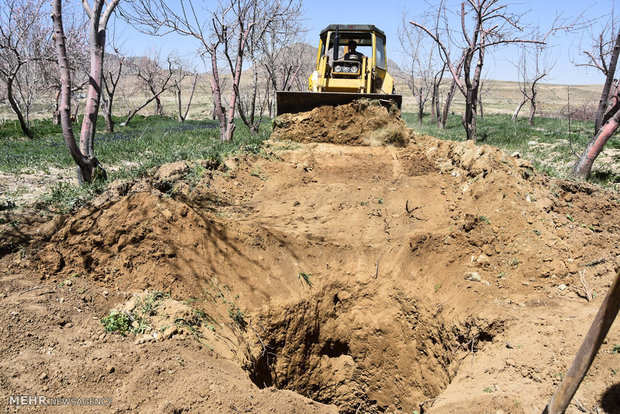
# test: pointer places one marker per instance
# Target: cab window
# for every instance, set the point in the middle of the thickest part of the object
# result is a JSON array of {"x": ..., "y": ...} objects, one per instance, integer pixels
[{"x": 380, "y": 52}]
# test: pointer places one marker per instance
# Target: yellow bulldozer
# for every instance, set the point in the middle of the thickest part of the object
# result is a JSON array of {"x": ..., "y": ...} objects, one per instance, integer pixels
[{"x": 351, "y": 64}]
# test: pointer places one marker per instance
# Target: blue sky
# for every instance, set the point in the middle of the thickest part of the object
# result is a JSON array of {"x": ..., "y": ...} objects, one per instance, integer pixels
[{"x": 387, "y": 15}]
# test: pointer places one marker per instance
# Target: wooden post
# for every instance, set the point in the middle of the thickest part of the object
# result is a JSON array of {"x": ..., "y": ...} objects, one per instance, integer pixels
[{"x": 588, "y": 350}]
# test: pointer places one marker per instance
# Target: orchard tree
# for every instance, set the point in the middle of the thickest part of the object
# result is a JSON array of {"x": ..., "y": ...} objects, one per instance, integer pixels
[
  {"x": 277, "y": 32},
  {"x": 24, "y": 41},
  {"x": 90, "y": 168},
  {"x": 181, "y": 71},
  {"x": 113, "y": 67},
  {"x": 152, "y": 78},
  {"x": 485, "y": 24},
  {"x": 603, "y": 56},
  {"x": 534, "y": 65},
  {"x": 222, "y": 33},
  {"x": 610, "y": 103}
]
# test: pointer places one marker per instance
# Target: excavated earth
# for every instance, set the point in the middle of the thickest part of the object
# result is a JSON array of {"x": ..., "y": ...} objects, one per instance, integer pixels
[{"x": 364, "y": 276}]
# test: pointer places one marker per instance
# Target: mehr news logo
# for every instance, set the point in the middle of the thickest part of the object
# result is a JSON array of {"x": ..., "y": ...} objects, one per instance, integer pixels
[{"x": 42, "y": 400}]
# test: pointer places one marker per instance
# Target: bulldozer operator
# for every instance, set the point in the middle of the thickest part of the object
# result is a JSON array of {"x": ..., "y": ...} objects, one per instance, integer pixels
[{"x": 352, "y": 54}]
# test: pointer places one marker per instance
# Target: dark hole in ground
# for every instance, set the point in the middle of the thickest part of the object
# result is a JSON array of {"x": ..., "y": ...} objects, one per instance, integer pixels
[{"x": 328, "y": 350}]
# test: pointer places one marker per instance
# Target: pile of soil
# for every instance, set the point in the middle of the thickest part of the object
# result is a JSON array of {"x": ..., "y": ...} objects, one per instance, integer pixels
[
  {"x": 439, "y": 277},
  {"x": 361, "y": 122}
]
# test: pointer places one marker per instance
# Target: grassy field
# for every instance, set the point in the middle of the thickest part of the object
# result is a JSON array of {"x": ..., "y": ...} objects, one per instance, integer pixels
[
  {"x": 127, "y": 153},
  {"x": 552, "y": 144}
]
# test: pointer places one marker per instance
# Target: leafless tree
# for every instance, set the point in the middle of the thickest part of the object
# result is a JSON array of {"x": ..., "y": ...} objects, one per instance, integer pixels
[
  {"x": 610, "y": 119},
  {"x": 420, "y": 73},
  {"x": 89, "y": 166},
  {"x": 155, "y": 80},
  {"x": 286, "y": 61},
  {"x": 276, "y": 63},
  {"x": 113, "y": 68},
  {"x": 484, "y": 24},
  {"x": 180, "y": 73},
  {"x": 224, "y": 33},
  {"x": 603, "y": 56},
  {"x": 534, "y": 65},
  {"x": 24, "y": 41}
]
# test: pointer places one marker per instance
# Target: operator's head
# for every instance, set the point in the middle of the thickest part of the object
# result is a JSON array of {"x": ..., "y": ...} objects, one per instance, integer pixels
[{"x": 352, "y": 45}]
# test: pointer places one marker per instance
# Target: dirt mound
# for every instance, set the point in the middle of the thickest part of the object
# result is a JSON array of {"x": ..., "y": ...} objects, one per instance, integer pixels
[
  {"x": 441, "y": 275},
  {"x": 362, "y": 122}
]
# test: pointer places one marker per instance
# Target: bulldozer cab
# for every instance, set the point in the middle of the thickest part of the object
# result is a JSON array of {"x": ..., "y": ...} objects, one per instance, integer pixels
[
  {"x": 351, "y": 63},
  {"x": 337, "y": 70}
]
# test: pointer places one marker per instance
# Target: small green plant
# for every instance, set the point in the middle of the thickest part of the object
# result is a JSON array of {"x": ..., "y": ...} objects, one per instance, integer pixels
[
  {"x": 151, "y": 302},
  {"x": 502, "y": 275},
  {"x": 304, "y": 277},
  {"x": 570, "y": 218},
  {"x": 380, "y": 201},
  {"x": 363, "y": 203},
  {"x": 490, "y": 389},
  {"x": 485, "y": 219},
  {"x": 514, "y": 262},
  {"x": 194, "y": 174},
  {"x": 117, "y": 322},
  {"x": 615, "y": 349},
  {"x": 537, "y": 232},
  {"x": 437, "y": 287},
  {"x": 237, "y": 316}
]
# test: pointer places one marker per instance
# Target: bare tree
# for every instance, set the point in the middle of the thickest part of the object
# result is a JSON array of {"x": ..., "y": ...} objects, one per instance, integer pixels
[
  {"x": 534, "y": 65},
  {"x": 223, "y": 34},
  {"x": 484, "y": 24},
  {"x": 181, "y": 72},
  {"x": 74, "y": 25},
  {"x": 24, "y": 40},
  {"x": 111, "y": 78},
  {"x": 603, "y": 56},
  {"x": 419, "y": 71},
  {"x": 286, "y": 61},
  {"x": 267, "y": 41},
  {"x": 155, "y": 80},
  {"x": 90, "y": 168},
  {"x": 610, "y": 120}
]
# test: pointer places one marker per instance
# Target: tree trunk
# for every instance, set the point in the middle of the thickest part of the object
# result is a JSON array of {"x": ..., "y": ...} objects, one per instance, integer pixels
[
  {"x": 216, "y": 91},
  {"x": 469, "y": 117},
  {"x": 107, "y": 114},
  {"x": 515, "y": 114},
  {"x": 56, "y": 120},
  {"x": 532, "y": 110},
  {"x": 420, "y": 112},
  {"x": 191, "y": 97},
  {"x": 15, "y": 106},
  {"x": 602, "y": 106},
  {"x": 91, "y": 110},
  {"x": 86, "y": 164},
  {"x": 180, "y": 112},
  {"x": 583, "y": 166},
  {"x": 447, "y": 104},
  {"x": 159, "y": 109}
]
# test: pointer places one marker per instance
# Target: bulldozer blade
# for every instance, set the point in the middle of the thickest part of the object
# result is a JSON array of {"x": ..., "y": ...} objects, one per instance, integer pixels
[{"x": 294, "y": 102}]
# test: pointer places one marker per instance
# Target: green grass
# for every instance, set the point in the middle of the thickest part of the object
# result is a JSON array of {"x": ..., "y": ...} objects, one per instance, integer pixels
[
  {"x": 146, "y": 143},
  {"x": 546, "y": 144}
]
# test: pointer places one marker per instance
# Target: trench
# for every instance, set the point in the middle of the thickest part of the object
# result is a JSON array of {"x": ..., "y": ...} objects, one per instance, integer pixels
[{"x": 363, "y": 352}]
